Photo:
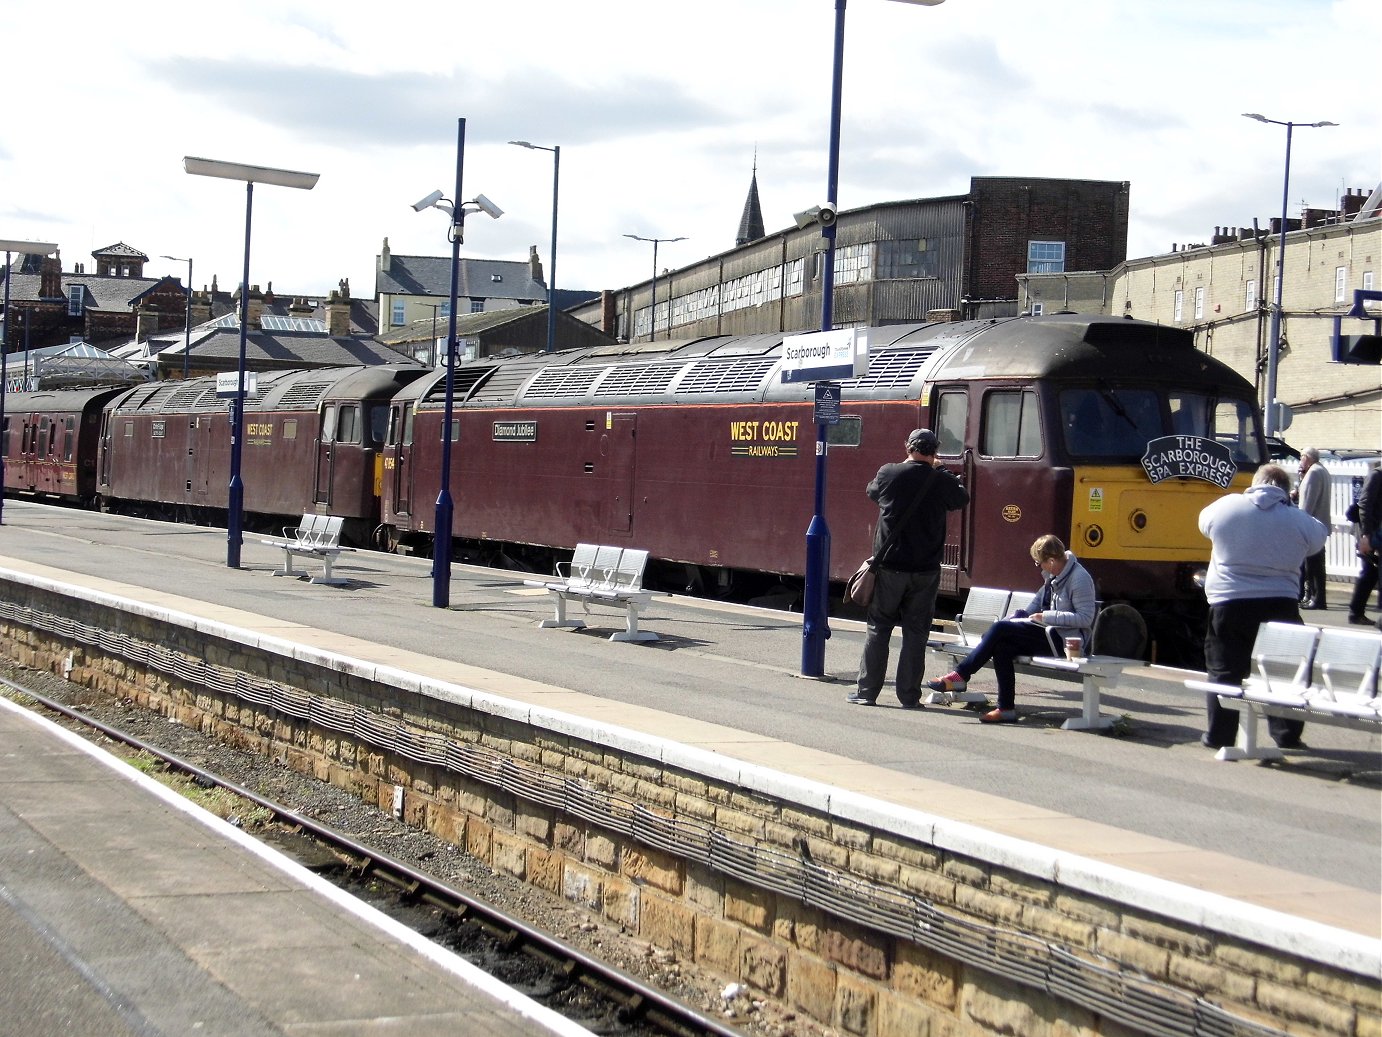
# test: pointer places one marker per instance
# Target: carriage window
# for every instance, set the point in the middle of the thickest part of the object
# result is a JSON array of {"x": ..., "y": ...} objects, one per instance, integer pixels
[
  {"x": 455, "y": 431},
  {"x": 42, "y": 450},
  {"x": 68, "y": 436},
  {"x": 952, "y": 413},
  {"x": 845, "y": 432},
  {"x": 1106, "y": 422},
  {"x": 1011, "y": 425},
  {"x": 5, "y": 438},
  {"x": 290, "y": 428},
  {"x": 348, "y": 425}
]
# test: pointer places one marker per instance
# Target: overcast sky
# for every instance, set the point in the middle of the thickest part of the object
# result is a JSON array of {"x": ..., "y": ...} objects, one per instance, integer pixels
[{"x": 659, "y": 109}]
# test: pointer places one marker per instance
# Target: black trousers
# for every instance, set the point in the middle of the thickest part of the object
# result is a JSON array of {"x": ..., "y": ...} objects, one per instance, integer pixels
[
  {"x": 1364, "y": 585},
  {"x": 1228, "y": 660},
  {"x": 1312, "y": 581}
]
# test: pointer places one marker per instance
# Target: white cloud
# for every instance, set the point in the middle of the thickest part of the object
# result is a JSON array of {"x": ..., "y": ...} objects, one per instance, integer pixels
[{"x": 659, "y": 110}]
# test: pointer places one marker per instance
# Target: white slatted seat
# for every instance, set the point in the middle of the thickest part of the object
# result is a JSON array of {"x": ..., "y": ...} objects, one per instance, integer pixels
[
  {"x": 315, "y": 536},
  {"x": 1318, "y": 676},
  {"x": 1094, "y": 673},
  {"x": 603, "y": 575}
]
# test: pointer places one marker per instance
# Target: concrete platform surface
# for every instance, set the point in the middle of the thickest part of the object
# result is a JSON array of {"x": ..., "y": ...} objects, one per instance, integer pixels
[
  {"x": 1302, "y": 837},
  {"x": 126, "y": 910}
]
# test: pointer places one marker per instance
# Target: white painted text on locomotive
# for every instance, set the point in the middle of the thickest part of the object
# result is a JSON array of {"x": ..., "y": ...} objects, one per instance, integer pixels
[{"x": 1189, "y": 457}]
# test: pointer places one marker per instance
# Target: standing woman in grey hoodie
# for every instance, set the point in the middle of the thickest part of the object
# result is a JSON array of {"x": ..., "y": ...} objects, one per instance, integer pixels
[{"x": 1259, "y": 541}]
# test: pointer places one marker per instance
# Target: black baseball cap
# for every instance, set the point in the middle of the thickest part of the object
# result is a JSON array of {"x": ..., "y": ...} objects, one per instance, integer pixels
[{"x": 923, "y": 441}]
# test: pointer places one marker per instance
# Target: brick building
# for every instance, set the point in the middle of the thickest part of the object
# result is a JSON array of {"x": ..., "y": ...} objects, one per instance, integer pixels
[{"x": 895, "y": 262}]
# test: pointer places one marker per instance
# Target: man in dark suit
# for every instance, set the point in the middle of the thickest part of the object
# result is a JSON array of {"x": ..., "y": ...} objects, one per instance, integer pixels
[{"x": 913, "y": 497}]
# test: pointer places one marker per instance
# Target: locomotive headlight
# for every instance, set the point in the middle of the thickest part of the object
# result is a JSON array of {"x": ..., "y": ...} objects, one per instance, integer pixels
[{"x": 1138, "y": 520}]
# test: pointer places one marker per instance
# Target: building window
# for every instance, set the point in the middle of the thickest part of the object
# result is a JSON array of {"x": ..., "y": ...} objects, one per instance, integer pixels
[
  {"x": 1178, "y": 312},
  {"x": 444, "y": 310},
  {"x": 396, "y": 312},
  {"x": 1367, "y": 280},
  {"x": 1038, "y": 308},
  {"x": 1199, "y": 304},
  {"x": 1045, "y": 257},
  {"x": 76, "y": 295},
  {"x": 477, "y": 305},
  {"x": 1250, "y": 297},
  {"x": 910, "y": 257},
  {"x": 1340, "y": 283}
]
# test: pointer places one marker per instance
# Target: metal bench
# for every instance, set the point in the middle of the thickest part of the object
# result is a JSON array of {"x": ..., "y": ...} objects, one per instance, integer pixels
[
  {"x": 1095, "y": 673},
  {"x": 315, "y": 536},
  {"x": 601, "y": 575},
  {"x": 1317, "y": 675}
]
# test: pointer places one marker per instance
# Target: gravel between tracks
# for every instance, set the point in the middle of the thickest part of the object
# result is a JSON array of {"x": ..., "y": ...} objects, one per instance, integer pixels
[{"x": 338, "y": 809}]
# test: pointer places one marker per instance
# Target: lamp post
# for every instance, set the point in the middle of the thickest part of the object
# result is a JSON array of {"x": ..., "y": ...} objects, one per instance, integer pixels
[
  {"x": 551, "y": 273},
  {"x": 24, "y": 248},
  {"x": 652, "y": 310},
  {"x": 187, "y": 338},
  {"x": 441, "y": 536},
  {"x": 815, "y": 606},
  {"x": 1270, "y": 407},
  {"x": 251, "y": 175}
]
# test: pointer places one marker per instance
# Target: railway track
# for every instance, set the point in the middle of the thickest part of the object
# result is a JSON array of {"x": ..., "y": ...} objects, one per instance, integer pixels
[{"x": 541, "y": 966}]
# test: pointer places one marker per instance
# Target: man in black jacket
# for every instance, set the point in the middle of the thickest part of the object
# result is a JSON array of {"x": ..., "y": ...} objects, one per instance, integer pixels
[
  {"x": 913, "y": 497},
  {"x": 1370, "y": 550}
]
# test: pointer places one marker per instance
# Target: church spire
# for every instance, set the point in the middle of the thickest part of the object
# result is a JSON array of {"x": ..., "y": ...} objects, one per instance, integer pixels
[{"x": 751, "y": 222}]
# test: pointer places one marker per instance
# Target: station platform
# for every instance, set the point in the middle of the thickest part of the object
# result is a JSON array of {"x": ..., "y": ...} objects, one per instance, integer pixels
[
  {"x": 1303, "y": 837},
  {"x": 124, "y": 909}
]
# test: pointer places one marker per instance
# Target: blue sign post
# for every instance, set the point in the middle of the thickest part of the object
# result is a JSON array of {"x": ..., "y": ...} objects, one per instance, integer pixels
[{"x": 818, "y": 357}]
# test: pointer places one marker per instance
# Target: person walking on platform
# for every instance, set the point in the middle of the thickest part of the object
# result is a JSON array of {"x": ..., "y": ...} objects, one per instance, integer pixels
[
  {"x": 1369, "y": 546},
  {"x": 1064, "y": 607},
  {"x": 913, "y": 497},
  {"x": 1312, "y": 495},
  {"x": 1258, "y": 542}
]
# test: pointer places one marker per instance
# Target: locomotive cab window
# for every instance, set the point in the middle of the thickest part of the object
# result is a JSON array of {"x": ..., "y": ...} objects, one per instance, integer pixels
[
  {"x": 329, "y": 424},
  {"x": 376, "y": 425},
  {"x": 348, "y": 424},
  {"x": 1230, "y": 422},
  {"x": 952, "y": 413},
  {"x": 1108, "y": 422},
  {"x": 1012, "y": 427}
]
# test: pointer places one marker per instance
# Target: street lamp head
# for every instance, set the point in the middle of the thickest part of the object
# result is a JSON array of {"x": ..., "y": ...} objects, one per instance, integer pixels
[
  {"x": 29, "y": 248},
  {"x": 1325, "y": 123},
  {"x": 250, "y": 174},
  {"x": 1254, "y": 115},
  {"x": 921, "y": 3}
]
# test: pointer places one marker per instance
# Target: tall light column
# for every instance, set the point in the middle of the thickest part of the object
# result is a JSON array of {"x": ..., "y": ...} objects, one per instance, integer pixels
[
  {"x": 652, "y": 310},
  {"x": 24, "y": 248},
  {"x": 815, "y": 606},
  {"x": 552, "y": 271},
  {"x": 251, "y": 175},
  {"x": 1269, "y": 406},
  {"x": 441, "y": 535},
  {"x": 187, "y": 338}
]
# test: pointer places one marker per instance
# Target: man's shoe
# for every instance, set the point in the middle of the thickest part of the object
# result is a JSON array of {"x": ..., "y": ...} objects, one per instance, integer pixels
[
  {"x": 952, "y": 682},
  {"x": 859, "y": 700},
  {"x": 1359, "y": 621},
  {"x": 999, "y": 716},
  {"x": 1209, "y": 744},
  {"x": 911, "y": 703},
  {"x": 1294, "y": 742}
]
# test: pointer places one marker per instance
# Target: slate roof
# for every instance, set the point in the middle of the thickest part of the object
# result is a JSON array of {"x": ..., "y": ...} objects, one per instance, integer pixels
[
  {"x": 466, "y": 324},
  {"x": 264, "y": 348},
  {"x": 431, "y": 275},
  {"x": 122, "y": 250}
]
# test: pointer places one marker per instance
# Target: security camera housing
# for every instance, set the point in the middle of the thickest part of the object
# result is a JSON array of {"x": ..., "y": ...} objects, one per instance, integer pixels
[
  {"x": 488, "y": 207},
  {"x": 426, "y": 203}
]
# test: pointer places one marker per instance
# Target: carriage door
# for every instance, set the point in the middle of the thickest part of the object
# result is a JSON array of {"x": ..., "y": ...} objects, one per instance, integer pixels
[
  {"x": 401, "y": 437},
  {"x": 617, "y": 449},
  {"x": 325, "y": 444},
  {"x": 950, "y": 410}
]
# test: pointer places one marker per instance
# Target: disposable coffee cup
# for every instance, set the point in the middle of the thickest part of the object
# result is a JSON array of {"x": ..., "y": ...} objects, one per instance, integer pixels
[{"x": 1074, "y": 647}]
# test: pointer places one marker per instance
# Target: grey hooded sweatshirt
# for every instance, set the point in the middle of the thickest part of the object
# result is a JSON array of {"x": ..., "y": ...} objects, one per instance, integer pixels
[{"x": 1259, "y": 541}]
